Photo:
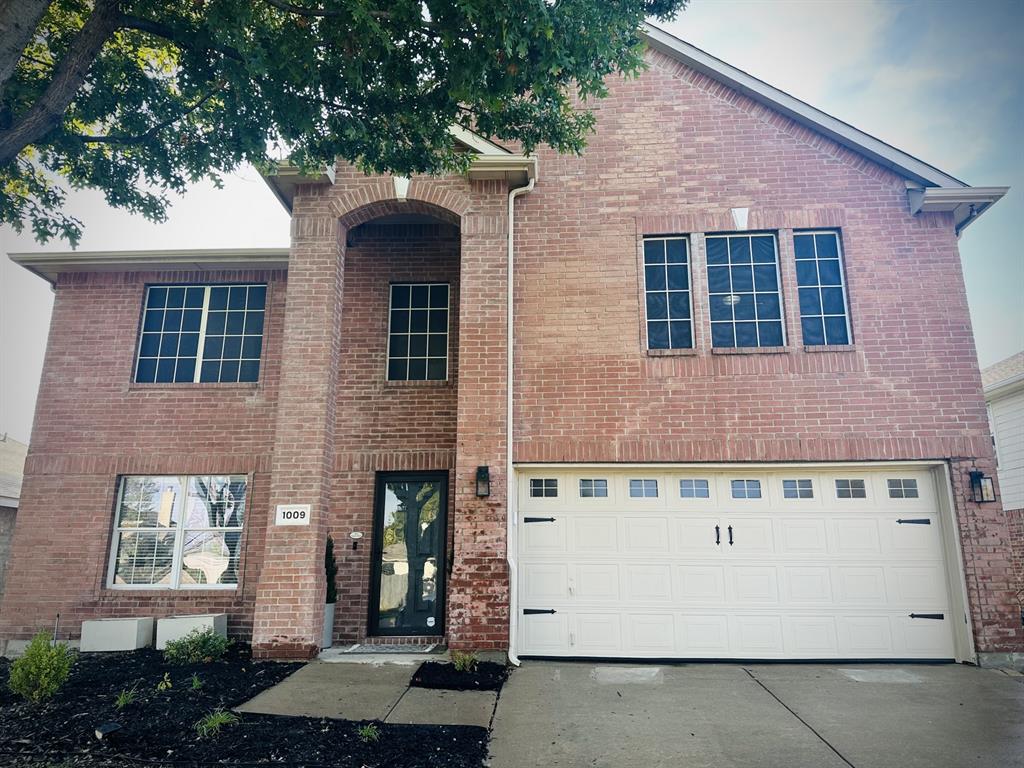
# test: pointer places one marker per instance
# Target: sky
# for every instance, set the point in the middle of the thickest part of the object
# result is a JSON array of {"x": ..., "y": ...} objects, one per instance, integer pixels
[{"x": 940, "y": 79}]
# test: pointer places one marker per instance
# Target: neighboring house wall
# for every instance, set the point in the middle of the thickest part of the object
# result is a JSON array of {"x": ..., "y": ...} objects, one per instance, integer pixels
[{"x": 12, "y": 463}]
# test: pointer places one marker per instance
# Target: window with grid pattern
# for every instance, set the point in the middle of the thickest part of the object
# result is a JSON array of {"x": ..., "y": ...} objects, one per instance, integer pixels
[
  {"x": 176, "y": 532},
  {"x": 694, "y": 489},
  {"x": 902, "y": 488},
  {"x": 643, "y": 489},
  {"x": 418, "y": 332},
  {"x": 746, "y": 489},
  {"x": 593, "y": 489},
  {"x": 743, "y": 291},
  {"x": 824, "y": 318},
  {"x": 543, "y": 487},
  {"x": 667, "y": 293},
  {"x": 851, "y": 489},
  {"x": 201, "y": 333},
  {"x": 798, "y": 489}
]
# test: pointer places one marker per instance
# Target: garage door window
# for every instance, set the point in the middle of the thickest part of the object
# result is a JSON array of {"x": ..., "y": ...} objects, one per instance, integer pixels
[
  {"x": 543, "y": 487},
  {"x": 743, "y": 291},
  {"x": 593, "y": 489},
  {"x": 643, "y": 489},
  {"x": 797, "y": 489},
  {"x": 746, "y": 489},
  {"x": 902, "y": 488},
  {"x": 851, "y": 489},
  {"x": 694, "y": 489}
]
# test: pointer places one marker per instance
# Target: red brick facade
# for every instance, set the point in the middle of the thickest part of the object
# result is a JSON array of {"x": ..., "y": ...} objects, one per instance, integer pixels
[{"x": 673, "y": 152}]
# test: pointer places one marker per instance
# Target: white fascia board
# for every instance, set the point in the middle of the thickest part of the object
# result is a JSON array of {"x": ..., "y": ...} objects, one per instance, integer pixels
[
  {"x": 803, "y": 113},
  {"x": 49, "y": 265},
  {"x": 476, "y": 142},
  {"x": 965, "y": 203},
  {"x": 1000, "y": 389}
]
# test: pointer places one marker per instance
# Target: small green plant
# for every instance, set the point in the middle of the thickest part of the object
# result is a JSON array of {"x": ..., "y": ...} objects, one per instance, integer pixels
[
  {"x": 213, "y": 722},
  {"x": 464, "y": 661},
  {"x": 196, "y": 683},
  {"x": 165, "y": 684},
  {"x": 41, "y": 671},
  {"x": 197, "y": 647},
  {"x": 369, "y": 733},
  {"x": 125, "y": 697}
]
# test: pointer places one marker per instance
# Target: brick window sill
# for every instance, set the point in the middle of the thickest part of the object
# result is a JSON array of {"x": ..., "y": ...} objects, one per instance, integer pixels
[
  {"x": 247, "y": 386},
  {"x": 432, "y": 384},
  {"x": 830, "y": 348},
  {"x": 672, "y": 352},
  {"x": 750, "y": 350}
]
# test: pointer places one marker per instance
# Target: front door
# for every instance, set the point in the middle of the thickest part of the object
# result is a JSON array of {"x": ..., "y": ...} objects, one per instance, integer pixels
[{"x": 407, "y": 588}]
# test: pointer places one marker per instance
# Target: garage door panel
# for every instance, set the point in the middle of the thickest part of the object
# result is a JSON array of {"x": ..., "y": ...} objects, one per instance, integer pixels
[
  {"x": 700, "y": 583},
  {"x": 806, "y": 578}
]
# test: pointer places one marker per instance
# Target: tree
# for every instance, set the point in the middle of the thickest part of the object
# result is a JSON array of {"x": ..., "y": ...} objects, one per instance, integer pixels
[{"x": 138, "y": 98}]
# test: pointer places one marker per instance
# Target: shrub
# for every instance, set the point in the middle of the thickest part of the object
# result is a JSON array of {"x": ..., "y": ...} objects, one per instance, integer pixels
[
  {"x": 41, "y": 671},
  {"x": 198, "y": 646},
  {"x": 196, "y": 683},
  {"x": 464, "y": 661},
  {"x": 213, "y": 722},
  {"x": 331, "y": 572},
  {"x": 125, "y": 697},
  {"x": 368, "y": 733}
]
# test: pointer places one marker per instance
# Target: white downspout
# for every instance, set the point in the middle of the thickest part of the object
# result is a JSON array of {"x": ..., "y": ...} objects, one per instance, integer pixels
[{"x": 511, "y": 505}]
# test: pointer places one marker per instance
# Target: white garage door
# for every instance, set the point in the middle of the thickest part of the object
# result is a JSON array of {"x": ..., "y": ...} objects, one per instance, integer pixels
[{"x": 797, "y": 564}]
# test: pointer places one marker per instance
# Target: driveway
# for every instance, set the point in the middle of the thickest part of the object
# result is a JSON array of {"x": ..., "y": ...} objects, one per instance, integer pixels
[{"x": 758, "y": 716}]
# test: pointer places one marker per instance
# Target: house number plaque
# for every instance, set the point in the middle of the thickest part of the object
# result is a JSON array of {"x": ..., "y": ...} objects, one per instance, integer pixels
[{"x": 292, "y": 514}]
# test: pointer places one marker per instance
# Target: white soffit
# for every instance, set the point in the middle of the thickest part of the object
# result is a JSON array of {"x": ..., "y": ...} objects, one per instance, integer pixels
[{"x": 49, "y": 265}]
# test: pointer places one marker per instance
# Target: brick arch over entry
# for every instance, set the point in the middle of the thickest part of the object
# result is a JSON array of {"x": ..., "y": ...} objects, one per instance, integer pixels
[{"x": 372, "y": 201}]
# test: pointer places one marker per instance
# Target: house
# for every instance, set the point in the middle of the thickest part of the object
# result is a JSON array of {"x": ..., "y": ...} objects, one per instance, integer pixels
[
  {"x": 1004, "y": 394},
  {"x": 707, "y": 391},
  {"x": 12, "y": 462}
]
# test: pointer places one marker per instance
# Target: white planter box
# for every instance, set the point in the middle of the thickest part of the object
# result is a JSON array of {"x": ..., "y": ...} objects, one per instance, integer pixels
[
  {"x": 116, "y": 634},
  {"x": 176, "y": 627}
]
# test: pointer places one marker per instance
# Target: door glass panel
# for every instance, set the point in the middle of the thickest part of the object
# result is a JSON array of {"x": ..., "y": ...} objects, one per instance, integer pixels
[{"x": 411, "y": 538}]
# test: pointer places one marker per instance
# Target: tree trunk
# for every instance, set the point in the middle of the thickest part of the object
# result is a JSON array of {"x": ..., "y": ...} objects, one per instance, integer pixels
[
  {"x": 46, "y": 113},
  {"x": 18, "y": 22}
]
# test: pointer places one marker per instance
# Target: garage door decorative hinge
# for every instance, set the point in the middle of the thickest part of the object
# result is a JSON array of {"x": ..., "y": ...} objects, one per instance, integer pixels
[
  {"x": 532, "y": 611},
  {"x": 938, "y": 616},
  {"x": 538, "y": 519},
  {"x": 914, "y": 521}
]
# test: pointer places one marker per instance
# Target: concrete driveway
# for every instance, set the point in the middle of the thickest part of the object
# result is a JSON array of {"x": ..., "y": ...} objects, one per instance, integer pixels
[{"x": 758, "y": 716}]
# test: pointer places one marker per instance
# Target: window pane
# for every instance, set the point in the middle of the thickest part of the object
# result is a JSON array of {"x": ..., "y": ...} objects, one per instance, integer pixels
[
  {"x": 654, "y": 251},
  {"x": 210, "y": 557},
  {"x": 657, "y": 335},
  {"x": 717, "y": 250},
  {"x": 144, "y": 558},
  {"x": 822, "y": 293},
  {"x": 835, "y": 331},
  {"x": 743, "y": 293},
  {"x": 679, "y": 305},
  {"x": 814, "y": 330},
  {"x": 216, "y": 501},
  {"x": 657, "y": 305},
  {"x": 654, "y": 278},
  {"x": 680, "y": 336}
]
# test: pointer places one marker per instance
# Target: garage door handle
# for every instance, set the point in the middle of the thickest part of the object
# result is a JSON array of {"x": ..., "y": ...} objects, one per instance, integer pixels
[
  {"x": 538, "y": 519},
  {"x": 718, "y": 535},
  {"x": 730, "y": 535},
  {"x": 914, "y": 521},
  {"x": 533, "y": 611},
  {"x": 938, "y": 616}
]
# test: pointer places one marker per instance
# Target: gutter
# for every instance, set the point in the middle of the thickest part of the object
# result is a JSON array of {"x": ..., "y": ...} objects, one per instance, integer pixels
[{"x": 511, "y": 506}]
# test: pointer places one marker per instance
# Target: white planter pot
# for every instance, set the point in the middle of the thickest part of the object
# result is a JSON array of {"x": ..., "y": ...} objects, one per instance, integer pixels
[
  {"x": 328, "y": 635},
  {"x": 116, "y": 634},
  {"x": 176, "y": 627}
]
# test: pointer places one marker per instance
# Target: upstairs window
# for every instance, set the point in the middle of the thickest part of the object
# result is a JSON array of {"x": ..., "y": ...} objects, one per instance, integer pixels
[
  {"x": 743, "y": 291},
  {"x": 667, "y": 293},
  {"x": 819, "y": 274},
  {"x": 201, "y": 333},
  {"x": 178, "y": 532},
  {"x": 418, "y": 332}
]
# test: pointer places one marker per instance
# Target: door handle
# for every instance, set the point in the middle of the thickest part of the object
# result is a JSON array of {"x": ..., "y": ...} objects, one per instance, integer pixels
[
  {"x": 718, "y": 535},
  {"x": 730, "y": 535}
]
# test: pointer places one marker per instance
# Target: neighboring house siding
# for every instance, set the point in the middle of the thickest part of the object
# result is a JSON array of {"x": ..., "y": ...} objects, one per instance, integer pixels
[
  {"x": 7, "y": 515},
  {"x": 1007, "y": 415}
]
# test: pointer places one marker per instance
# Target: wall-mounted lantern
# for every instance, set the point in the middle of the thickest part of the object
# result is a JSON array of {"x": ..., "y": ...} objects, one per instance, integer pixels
[
  {"x": 483, "y": 482},
  {"x": 982, "y": 487}
]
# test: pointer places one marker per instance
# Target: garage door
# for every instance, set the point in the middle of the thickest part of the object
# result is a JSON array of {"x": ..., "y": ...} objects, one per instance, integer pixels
[{"x": 791, "y": 564}]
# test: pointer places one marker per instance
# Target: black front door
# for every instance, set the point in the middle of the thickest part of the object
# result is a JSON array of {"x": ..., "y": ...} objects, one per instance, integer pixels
[{"x": 408, "y": 566}]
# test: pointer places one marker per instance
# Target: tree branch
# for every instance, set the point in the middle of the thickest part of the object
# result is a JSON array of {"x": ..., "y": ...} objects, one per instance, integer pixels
[
  {"x": 18, "y": 22},
  {"x": 178, "y": 37},
  {"x": 142, "y": 138},
  {"x": 46, "y": 113}
]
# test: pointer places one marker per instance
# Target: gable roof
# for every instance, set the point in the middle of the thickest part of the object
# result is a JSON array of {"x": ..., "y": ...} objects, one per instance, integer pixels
[
  {"x": 998, "y": 378},
  {"x": 965, "y": 202}
]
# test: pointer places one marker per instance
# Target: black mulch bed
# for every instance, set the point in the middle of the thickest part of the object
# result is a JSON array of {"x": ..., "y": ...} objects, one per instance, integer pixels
[
  {"x": 159, "y": 727},
  {"x": 487, "y": 676}
]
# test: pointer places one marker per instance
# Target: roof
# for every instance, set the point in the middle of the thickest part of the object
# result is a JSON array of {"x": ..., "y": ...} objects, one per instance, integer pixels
[
  {"x": 1004, "y": 376},
  {"x": 12, "y": 466}
]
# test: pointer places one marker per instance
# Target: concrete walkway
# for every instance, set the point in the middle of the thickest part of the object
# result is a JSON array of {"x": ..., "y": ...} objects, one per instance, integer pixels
[
  {"x": 758, "y": 716},
  {"x": 370, "y": 692}
]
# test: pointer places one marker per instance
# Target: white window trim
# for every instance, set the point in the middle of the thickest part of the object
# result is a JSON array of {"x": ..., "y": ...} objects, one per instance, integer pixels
[
  {"x": 179, "y": 543},
  {"x": 447, "y": 335},
  {"x": 778, "y": 283},
  {"x": 842, "y": 276},
  {"x": 689, "y": 280}
]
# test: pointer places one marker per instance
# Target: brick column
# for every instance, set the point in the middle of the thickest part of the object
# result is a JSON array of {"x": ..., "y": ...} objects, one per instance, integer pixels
[
  {"x": 478, "y": 587},
  {"x": 290, "y": 595}
]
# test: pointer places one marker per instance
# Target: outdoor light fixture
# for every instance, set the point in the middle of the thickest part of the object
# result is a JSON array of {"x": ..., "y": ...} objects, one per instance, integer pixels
[
  {"x": 982, "y": 487},
  {"x": 483, "y": 482}
]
